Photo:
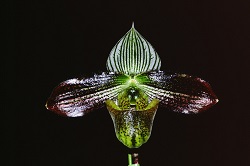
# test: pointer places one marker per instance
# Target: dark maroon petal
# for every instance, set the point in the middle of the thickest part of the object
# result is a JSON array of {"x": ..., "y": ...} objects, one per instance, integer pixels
[
  {"x": 76, "y": 97},
  {"x": 179, "y": 92}
]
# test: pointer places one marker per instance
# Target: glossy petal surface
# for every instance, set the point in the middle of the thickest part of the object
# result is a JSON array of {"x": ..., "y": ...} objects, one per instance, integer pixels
[
  {"x": 77, "y": 96},
  {"x": 178, "y": 92}
]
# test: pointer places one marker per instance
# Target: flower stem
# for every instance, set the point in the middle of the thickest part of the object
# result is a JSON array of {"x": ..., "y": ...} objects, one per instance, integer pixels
[{"x": 135, "y": 159}]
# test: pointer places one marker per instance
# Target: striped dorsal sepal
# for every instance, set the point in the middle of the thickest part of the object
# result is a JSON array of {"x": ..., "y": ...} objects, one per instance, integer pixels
[{"x": 133, "y": 55}]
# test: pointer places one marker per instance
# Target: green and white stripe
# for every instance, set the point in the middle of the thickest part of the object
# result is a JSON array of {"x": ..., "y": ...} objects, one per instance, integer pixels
[{"x": 133, "y": 54}]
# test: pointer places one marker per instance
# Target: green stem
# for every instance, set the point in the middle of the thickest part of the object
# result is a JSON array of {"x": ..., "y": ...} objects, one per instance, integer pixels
[{"x": 129, "y": 159}]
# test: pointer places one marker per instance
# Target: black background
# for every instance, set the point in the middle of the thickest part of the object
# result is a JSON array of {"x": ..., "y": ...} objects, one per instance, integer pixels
[{"x": 51, "y": 41}]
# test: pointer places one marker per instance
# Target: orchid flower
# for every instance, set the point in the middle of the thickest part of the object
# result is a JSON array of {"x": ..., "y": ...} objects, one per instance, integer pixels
[{"x": 132, "y": 89}]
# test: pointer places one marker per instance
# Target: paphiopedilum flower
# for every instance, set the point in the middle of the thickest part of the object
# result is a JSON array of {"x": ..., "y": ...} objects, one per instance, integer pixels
[{"x": 132, "y": 88}]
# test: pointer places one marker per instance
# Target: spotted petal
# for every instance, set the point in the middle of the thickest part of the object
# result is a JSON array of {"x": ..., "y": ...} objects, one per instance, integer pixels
[
  {"x": 133, "y": 55},
  {"x": 76, "y": 97},
  {"x": 178, "y": 92}
]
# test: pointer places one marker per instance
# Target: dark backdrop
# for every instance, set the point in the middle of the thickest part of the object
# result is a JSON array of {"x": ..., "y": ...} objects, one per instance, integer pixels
[{"x": 51, "y": 41}]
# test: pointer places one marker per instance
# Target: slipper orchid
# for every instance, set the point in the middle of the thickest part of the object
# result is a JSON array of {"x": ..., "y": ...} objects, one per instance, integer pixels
[{"x": 132, "y": 89}]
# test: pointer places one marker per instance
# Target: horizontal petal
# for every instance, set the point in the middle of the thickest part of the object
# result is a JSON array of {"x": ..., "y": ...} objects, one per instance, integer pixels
[
  {"x": 76, "y": 97},
  {"x": 178, "y": 92}
]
